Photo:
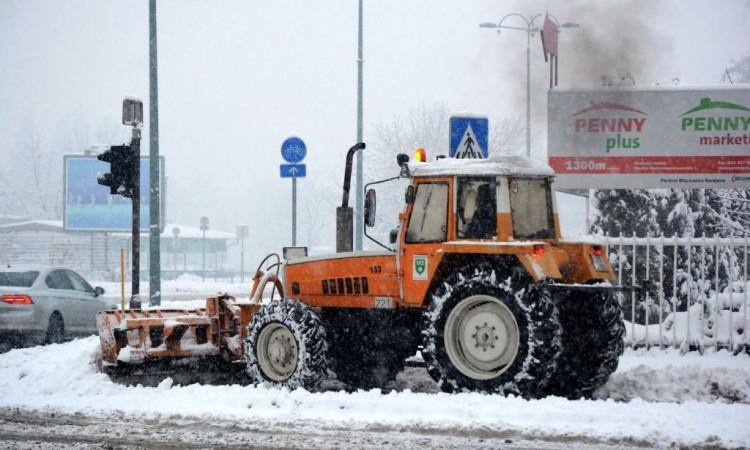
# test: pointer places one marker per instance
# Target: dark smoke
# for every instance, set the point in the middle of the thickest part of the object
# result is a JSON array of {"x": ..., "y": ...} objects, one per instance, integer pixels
[{"x": 618, "y": 42}]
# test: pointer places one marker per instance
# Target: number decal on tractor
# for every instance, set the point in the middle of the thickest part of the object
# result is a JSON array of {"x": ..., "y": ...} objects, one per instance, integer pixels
[
  {"x": 383, "y": 302},
  {"x": 375, "y": 269}
]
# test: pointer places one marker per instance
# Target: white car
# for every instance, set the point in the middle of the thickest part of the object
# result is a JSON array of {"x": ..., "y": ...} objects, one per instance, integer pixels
[{"x": 47, "y": 304}]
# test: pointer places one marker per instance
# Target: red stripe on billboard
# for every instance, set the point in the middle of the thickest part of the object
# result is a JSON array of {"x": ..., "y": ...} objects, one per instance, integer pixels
[{"x": 649, "y": 164}]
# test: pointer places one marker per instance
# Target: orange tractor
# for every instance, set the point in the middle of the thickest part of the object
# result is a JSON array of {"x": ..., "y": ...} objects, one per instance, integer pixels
[{"x": 476, "y": 276}]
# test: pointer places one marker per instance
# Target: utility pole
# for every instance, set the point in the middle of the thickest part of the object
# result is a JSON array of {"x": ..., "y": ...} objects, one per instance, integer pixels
[
  {"x": 530, "y": 31},
  {"x": 154, "y": 181},
  {"x": 359, "y": 228},
  {"x": 204, "y": 228}
]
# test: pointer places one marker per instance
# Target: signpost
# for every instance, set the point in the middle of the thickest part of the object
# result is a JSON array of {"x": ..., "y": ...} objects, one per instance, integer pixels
[
  {"x": 469, "y": 137},
  {"x": 242, "y": 233},
  {"x": 204, "y": 228},
  {"x": 293, "y": 150},
  {"x": 650, "y": 138}
]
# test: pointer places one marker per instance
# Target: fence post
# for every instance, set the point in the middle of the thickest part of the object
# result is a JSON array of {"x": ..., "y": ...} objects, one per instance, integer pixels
[
  {"x": 632, "y": 294},
  {"x": 674, "y": 293},
  {"x": 689, "y": 289},
  {"x": 716, "y": 302},
  {"x": 661, "y": 290},
  {"x": 744, "y": 290},
  {"x": 619, "y": 262},
  {"x": 703, "y": 290},
  {"x": 647, "y": 306},
  {"x": 731, "y": 294}
]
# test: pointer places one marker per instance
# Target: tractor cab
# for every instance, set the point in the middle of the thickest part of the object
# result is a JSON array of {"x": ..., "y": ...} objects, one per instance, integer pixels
[{"x": 502, "y": 199}]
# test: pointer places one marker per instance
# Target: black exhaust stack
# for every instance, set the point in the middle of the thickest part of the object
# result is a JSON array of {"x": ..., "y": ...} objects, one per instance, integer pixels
[{"x": 344, "y": 214}]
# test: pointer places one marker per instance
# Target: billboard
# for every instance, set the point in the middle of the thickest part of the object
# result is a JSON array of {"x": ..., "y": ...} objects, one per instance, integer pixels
[
  {"x": 650, "y": 138},
  {"x": 88, "y": 206}
]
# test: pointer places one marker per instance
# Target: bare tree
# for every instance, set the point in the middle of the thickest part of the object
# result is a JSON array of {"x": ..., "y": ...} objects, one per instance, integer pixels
[
  {"x": 424, "y": 126},
  {"x": 36, "y": 185},
  {"x": 427, "y": 126},
  {"x": 738, "y": 71}
]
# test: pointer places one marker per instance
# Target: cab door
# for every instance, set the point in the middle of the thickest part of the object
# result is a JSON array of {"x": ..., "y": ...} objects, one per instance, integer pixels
[{"x": 427, "y": 225}]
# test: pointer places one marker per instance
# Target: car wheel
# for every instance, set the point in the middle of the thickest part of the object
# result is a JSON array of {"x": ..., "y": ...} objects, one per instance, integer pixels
[{"x": 55, "y": 329}]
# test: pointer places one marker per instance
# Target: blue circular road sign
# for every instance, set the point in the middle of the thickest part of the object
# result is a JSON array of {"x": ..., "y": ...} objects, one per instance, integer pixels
[{"x": 293, "y": 150}]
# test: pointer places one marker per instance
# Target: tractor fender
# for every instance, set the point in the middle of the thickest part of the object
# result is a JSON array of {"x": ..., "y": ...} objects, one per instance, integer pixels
[
  {"x": 449, "y": 263},
  {"x": 540, "y": 266}
]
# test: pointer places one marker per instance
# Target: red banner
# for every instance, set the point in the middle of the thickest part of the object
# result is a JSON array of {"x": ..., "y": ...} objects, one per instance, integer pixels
[{"x": 650, "y": 164}]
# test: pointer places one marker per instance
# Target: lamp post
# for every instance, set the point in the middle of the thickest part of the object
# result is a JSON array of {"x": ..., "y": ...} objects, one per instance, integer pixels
[
  {"x": 175, "y": 246},
  {"x": 242, "y": 232},
  {"x": 359, "y": 228},
  {"x": 204, "y": 228},
  {"x": 530, "y": 30}
]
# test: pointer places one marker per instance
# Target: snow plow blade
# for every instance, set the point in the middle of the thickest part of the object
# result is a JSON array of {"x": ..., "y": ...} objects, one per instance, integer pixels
[{"x": 136, "y": 336}]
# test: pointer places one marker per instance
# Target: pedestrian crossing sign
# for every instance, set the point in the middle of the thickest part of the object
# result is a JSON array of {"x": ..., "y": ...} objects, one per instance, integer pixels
[{"x": 468, "y": 137}]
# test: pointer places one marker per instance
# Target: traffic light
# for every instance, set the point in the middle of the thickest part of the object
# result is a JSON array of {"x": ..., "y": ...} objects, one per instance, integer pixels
[{"x": 120, "y": 179}]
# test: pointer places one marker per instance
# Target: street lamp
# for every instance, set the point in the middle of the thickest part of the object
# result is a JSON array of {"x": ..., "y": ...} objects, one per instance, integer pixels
[
  {"x": 204, "y": 228},
  {"x": 530, "y": 30}
]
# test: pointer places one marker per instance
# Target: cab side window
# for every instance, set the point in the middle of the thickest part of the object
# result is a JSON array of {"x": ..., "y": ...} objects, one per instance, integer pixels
[
  {"x": 476, "y": 208},
  {"x": 429, "y": 215}
]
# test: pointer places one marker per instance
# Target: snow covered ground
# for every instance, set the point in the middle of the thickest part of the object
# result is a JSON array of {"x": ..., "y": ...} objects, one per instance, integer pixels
[{"x": 656, "y": 398}]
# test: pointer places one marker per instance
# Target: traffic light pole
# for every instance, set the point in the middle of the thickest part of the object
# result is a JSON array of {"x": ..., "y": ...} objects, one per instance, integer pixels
[{"x": 135, "y": 170}]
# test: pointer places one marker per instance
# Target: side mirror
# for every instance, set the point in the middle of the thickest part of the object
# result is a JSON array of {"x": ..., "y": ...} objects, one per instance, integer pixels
[
  {"x": 370, "y": 207},
  {"x": 98, "y": 291},
  {"x": 394, "y": 235},
  {"x": 409, "y": 196}
]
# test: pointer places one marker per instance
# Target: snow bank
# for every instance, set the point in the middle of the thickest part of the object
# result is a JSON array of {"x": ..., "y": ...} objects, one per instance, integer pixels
[
  {"x": 668, "y": 376},
  {"x": 719, "y": 319},
  {"x": 670, "y": 400}
]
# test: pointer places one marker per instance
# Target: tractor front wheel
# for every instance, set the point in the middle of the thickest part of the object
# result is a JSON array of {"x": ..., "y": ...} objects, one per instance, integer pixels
[{"x": 286, "y": 346}]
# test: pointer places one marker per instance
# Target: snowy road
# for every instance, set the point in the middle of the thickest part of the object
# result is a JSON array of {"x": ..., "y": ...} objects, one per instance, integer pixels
[
  {"x": 54, "y": 396},
  {"x": 21, "y": 429}
]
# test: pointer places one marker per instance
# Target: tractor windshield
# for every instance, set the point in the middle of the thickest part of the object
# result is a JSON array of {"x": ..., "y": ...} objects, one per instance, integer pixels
[{"x": 531, "y": 208}]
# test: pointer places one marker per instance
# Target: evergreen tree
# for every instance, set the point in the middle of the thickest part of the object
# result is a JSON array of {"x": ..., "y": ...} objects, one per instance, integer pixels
[{"x": 685, "y": 213}]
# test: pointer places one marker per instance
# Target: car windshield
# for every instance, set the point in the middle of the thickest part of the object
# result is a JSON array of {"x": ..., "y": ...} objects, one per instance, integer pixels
[{"x": 18, "y": 279}]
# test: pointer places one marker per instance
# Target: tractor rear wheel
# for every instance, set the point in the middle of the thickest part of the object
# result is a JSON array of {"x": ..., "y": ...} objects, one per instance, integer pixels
[
  {"x": 286, "y": 346},
  {"x": 486, "y": 330},
  {"x": 368, "y": 370},
  {"x": 592, "y": 343}
]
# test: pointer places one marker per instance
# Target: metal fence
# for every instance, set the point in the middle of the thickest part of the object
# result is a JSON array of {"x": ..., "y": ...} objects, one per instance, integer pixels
[{"x": 699, "y": 294}]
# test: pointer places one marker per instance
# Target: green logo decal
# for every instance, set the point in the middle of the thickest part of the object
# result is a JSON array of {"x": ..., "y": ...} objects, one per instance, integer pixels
[{"x": 419, "y": 266}]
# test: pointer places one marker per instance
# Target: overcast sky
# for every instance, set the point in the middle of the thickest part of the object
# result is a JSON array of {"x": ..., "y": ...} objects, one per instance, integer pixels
[{"x": 237, "y": 77}]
